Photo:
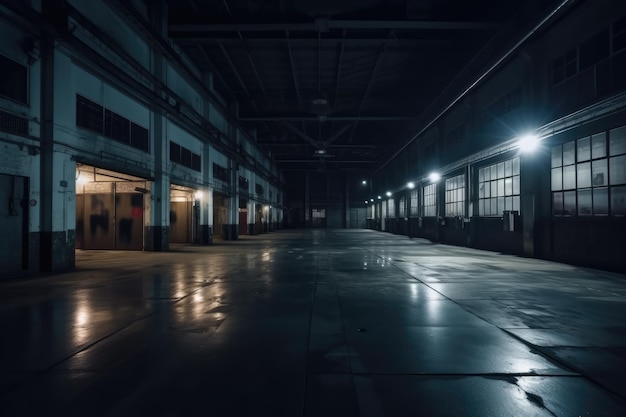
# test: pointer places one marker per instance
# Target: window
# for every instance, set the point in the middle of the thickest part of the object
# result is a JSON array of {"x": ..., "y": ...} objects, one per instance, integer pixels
[
  {"x": 94, "y": 117},
  {"x": 243, "y": 184},
  {"x": 429, "y": 200},
  {"x": 402, "y": 207},
  {"x": 413, "y": 205},
  {"x": 455, "y": 196},
  {"x": 13, "y": 80},
  {"x": 13, "y": 124},
  {"x": 258, "y": 188},
  {"x": 589, "y": 175},
  {"x": 594, "y": 50},
  {"x": 391, "y": 208},
  {"x": 318, "y": 213},
  {"x": 89, "y": 115},
  {"x": 565, "y": 66},
  {"x": 220, "y": 173},
  {"x": 619, "y": 35},
  {"x": 185, "y": 157},
  {"x": 499, "y": 188}
]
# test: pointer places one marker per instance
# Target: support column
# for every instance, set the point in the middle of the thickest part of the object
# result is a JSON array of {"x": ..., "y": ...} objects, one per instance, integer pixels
[
  {"x": 157, "y": 233},
  {"x": 57, "y": 207},
  {"x": 307, "y": 200},
  {"x": 231, "y": 229}
]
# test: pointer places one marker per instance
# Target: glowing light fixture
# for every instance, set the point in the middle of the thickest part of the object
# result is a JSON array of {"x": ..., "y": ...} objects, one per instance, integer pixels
[
  {"x": 434, "y": 177},
  {"x": 388, "y": 193},
  {"x": 528, "y": 143},
  {"x": 198, "y": 195},
  {"x": 379, "y": 197},
  {"x": 410, "y": 185},
  {"x": 364, "y": 182},
  {"x": 372, "y": 200}
]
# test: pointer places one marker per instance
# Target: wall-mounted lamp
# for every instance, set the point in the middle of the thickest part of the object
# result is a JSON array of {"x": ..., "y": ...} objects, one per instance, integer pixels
[
  {"x": 434, "y": 177},
  {"x": 410, "y": 185},
  {"x": 364, "y": 182},
  {"x": 379, "y": 197},
  {"x": 198, "y": 195},
  {"x": 528, "y": 143}
]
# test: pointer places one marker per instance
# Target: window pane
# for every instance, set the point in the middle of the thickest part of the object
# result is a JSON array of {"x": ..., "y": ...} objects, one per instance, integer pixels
[
  {"x": 481, "y": 207},
  {"x": 569, "y": 203},
  {"x": 584, "y": 203},
  {"x": 500, "y": 188},
  {"x": 494, "y": 189},
  {"x": 557, "y": 179},
  {"x": 481, "y": 190},
  {"x": 508, "y": 203},
  {"x": 600, "y": 201},
  {"x": 598, "y": 145},
  {"x": 584, "y": 149},
  {"x": 516, "y": 204},
  {"x": 599, "y": 173},
  {"x": 557, "y": 156},
  {"x": 557, "y": 204},
  {"x": 617, "y": 167},
  {"x": 516, "y": 166},
  {"x": 516, "y": 188},
  {"x": 568, "y": 153},
  {"x": 501, "y": 170},
  {"x": 481, "y": 175},
  {"x": 461, "y": 180},
  {"x": 617, "y": 141},
  {"x": 569, "y": 177},
  {"x": 494, "y": 172},
  {"x": 494, "y": 206},
  {"x": 508, "y": 168},
  {"x": 500, "y": 205},
  {"x": 584, "y": 175},
  {"x": 618, "y": 201}
]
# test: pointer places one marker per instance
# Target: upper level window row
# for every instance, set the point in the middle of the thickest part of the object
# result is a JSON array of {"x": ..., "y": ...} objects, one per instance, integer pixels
[
  {"x": 220, "y": 173},
  {"x": 610, "y": 40},
  {"x": 92, "y": 116},
  {"x": 185, "y": 157}
]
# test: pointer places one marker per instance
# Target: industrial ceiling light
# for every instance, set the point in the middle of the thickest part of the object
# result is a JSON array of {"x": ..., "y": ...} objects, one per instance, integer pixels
[
  {"x": 410, "y": 185},
  {"x": 528, "y": 143},
  {"x": 320, "y": 152},
  {"x": 379, "y": 197},
  {"x": 434, "y": 177},
  {"x": 372, "y": 200}
]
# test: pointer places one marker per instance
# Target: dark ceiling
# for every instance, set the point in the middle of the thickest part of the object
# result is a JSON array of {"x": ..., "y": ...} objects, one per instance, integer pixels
[{"x": 342, "y": 85}]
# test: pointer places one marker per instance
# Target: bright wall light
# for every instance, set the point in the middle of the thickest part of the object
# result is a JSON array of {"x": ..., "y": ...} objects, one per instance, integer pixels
[
  {"x": 388, "y": 193},
  {"x": 366, "y": 201},
  {"x": 364, "y": 182},
  {"x": 372, "y": 200},
  {"x": 379, "y": 197},
  {"x": 528, "y": 143},
  {"x": 434, "y": 177},
  {"x": 198, "y": 195},
  {"x": 410, "y": 185}
]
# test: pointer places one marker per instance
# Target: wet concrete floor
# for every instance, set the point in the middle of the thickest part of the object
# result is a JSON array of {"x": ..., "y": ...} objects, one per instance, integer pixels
[{"x": 314, "y": 323}]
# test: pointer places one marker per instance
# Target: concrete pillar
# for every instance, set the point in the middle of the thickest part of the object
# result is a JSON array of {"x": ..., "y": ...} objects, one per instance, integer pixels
[
  {"x": 231, "y": 228},
  {"x": 57, "y": 207},
  {"x": 251, "y": 207},
  {"x": 307, "y": 199},
  {"x": 156, "y": 236}
]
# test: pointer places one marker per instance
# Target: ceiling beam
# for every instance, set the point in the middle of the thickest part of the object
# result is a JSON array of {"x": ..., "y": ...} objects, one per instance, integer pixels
[
  {"x": 324, "y": 25},
  {"x": 282, "y": 119},
  {"x": 328, "y": 160},
  {"x": 328, "y": 146}
]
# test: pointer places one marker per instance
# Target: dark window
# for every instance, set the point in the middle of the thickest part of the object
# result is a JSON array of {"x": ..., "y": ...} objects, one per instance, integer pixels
[
  {"x": 594, "y": 49},
  {"x": 196, "y": 162},
  {"x": 185, "y": 157},
  {"x": 116, "y": 127},
  {"x": 243, "y": 184},
  {"x": 139, "y": 137},
  {"x": 220, "y": 173},
  {"x": 259, "y": 189},
  {"x": 564, "y": 66},
  {"x": 619, "y": 35},
  {"x": 89, "y": 115},
  {"x": 13, "y": 80},
  {"x": 175, "y": 152}
]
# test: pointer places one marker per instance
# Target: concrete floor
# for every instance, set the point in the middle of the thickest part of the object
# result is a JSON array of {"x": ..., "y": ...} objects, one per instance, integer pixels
[{"x": 314, "y": 323}]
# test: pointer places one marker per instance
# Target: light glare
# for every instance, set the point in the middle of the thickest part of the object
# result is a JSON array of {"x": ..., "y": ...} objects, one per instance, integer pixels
[
  {"x": 528, "y": 143},
  {"x": 411, "y": 185},
  {"x": 434, "y": 177},
  {"x": 388, "y": 194}
]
